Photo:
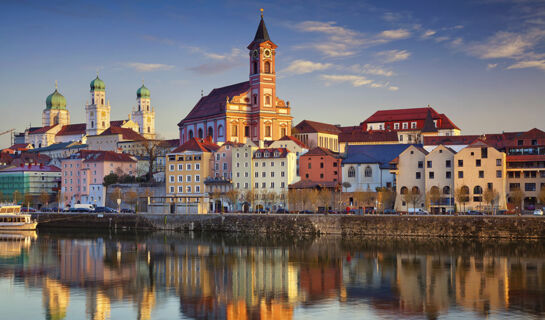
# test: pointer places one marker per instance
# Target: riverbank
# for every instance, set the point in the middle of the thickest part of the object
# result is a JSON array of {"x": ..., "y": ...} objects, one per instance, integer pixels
[{"x": 508, "y": 227}]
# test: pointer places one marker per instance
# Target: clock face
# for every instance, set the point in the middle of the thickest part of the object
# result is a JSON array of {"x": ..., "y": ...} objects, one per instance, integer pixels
[
  {"x": 103, "y": 114},
  {"x": 267, "y": 53},
  {"x": 255, "y": 54}
]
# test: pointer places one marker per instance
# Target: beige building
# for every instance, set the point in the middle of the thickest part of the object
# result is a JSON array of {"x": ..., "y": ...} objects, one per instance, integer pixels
[
  {"x": 480, "y": 167},
  {"x": 274, "y": 169},
  {"x": 440, "y": 180},
  {"x": 241, "y": 166},
  {"x": 410, "y": 179},
  {"x": 317, "y": 134},
  {"x": 144, "y": 114},
  {"x": 109, "y": 139}
]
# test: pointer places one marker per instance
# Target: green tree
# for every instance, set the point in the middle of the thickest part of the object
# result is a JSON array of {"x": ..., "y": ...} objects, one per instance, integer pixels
[{"x": 110, "y": 179}]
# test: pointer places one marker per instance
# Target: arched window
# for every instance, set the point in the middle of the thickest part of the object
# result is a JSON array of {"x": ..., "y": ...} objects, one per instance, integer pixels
[
  {"x": 446, "y": 190},
  {"x": 477, "y": 190},
  {"x": 103, "y": 124},
  {"x": 404, "y": 190},
  {"x": 351, "y": 172},
  {"x": 93, "y": 100},
  {"x": 147, "y": 108},
  {"x": 415, "y": 190},
  {"x": 267, "y": 67},
  {"x": 267, "y": 100},
  {"x": 200, "y": 133},
  {"x": 102, "y": 101},
  {"x": 190, "y": 134},
  {"x": 254, "y": 99},
  {"x": 149, "y": 129},
  {"x": 220, "y": 131},
  {"x": 211, "y": 132},
  {"x": 254, "y": 67},
  {"x": 92, "y": 124},
  {"x": 368, "y": 172}
]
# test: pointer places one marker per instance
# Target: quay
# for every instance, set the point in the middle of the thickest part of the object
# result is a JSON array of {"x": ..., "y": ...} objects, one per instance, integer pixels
[{"x": 347, "y": 226}]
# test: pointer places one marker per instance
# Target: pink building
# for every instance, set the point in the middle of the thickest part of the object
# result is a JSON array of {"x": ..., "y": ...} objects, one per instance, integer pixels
[
  {"x": 223, "y": 160},
  {"x": 83, "y": 174}
]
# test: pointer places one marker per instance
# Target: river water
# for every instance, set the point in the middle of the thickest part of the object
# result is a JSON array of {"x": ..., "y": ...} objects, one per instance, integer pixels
[{"x": 75, "y": 275}]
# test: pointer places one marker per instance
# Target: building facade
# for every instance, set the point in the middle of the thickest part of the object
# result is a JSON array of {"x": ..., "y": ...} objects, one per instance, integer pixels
[
  {"x": 30, "y": 179},
  {"x": 242, "y": 167},
  {"x": 439, "y": 177},
  {"x": 318, "y": 134},
  {"x": 144, "y": 115},
  {"x": 410, "y": 179}
]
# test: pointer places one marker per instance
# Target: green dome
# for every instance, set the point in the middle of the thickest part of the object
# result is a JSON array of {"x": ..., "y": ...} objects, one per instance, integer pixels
[
  {"x": 142, "y": 92},
  {"x": 55, "y": 101},
  {"x": 97, "y": 85}
]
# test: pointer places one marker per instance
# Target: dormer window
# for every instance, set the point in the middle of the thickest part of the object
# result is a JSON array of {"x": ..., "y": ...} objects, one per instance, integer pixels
[
  {"x": 266, "y": 154},
  {"x": 276, "y": 154},
  {"x": 258, "y": 154}
]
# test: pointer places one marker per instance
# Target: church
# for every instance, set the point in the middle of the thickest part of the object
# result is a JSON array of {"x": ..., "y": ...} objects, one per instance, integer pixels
[
  {"x": 56, "y": 126},
  {"x": 248, "y": 110}
]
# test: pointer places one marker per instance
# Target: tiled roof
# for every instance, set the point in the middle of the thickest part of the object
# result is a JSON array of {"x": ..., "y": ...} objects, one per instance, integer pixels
[
  {"x": 126, "y": 133},
  {"x": 100, "y": 156},
  {"x": 214, "y": 102},
  {"x": 31, "y": 167},
  {"x": 319, "y": 151},
  {"x": 532, "y": 134},
  {"x": 309, "y": 184},
  {"x": 19, "y": 146},
  {"x": 294, "y": 139},
  {"x": 282, "y": 152},
  {"x": 72, "y": 129},
  {"x": 27, "y": 157},
  {"x": 381, "y": 154},
  {"x": 196, "y": 144},
  {"x": 410, "y": 114},
  {"x": 357, "y": 135},
  {"x": 526, "y": 158},
  {"x": 307, "y": 126},
  {"x": 40, "y": 130},
  {"x": 117, "y": 123}
]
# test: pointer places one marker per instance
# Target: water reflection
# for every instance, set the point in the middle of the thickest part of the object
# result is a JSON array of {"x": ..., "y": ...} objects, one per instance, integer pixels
[{"x": 200, "y": 276}]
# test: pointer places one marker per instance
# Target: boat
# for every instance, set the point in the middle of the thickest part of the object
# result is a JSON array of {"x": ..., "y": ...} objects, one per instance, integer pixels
[{"x": 11, "y": 218}]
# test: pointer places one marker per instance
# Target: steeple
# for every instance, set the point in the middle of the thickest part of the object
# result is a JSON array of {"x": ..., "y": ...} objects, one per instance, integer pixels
[
  {"x": 429, "y": 125},
  {"x": 261, "y": 35}
]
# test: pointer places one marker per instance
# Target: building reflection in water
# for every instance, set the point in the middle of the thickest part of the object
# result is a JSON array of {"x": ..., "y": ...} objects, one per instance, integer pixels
[{"x": 251, "y": 279}]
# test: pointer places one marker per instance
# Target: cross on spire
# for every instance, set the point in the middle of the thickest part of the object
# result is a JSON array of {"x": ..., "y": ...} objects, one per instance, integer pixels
[{"x": 56, "y": 85}]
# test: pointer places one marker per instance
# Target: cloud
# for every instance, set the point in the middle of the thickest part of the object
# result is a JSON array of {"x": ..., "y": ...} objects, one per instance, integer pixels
[
  {"x": 428, "y": 33},
  {"x": 148, "y": 67},
  {"x": 540, "y": 64},
  {"x": 214, "y": 67},
  {"x": 305, "y": 66},
  {"x": 395, "y": 34},
  {"x": 501, "y": 45},
  {"x": 394, "y": 55},
  {"x": 355, "y": 81},
  {"x": 491, "y": 66},
  {"x": 372, "y": 70},
  {"x": 340, "y": 41}
]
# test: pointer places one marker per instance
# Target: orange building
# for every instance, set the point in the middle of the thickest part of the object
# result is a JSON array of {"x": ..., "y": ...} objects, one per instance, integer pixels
[
  {"x": 244, "y": 111},
  {"x": 319, "y": 167}
]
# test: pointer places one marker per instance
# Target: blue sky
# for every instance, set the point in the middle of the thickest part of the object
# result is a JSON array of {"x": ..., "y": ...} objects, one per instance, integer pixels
[{"x": 481, "y": 62}]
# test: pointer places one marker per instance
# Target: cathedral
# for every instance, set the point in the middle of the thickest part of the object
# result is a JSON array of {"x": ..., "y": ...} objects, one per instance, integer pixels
[
  {"x": 244, "y": 111},
  {"x": 56, "y": 126}
]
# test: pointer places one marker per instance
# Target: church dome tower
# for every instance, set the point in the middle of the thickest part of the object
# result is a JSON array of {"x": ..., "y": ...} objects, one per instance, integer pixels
[
  {"x": 144, "y": 114},
  {"x": 98, "y": 111},
  {"x": 55, "y": 111}
]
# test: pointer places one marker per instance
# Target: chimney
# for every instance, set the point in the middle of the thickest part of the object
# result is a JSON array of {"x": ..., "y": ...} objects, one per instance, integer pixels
[{"x": 261, "y": 144}]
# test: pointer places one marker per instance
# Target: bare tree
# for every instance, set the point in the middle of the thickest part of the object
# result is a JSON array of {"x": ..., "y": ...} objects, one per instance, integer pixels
[
  {"x": 44, "y": 199},
  {"x": 16, "y": 196},
  {"x": 433, "y": 197},
  {"x": 385, "y": 198},
  {"x": 153, "y": 149},
  {"x": 131, "y": 197},
  {"x": 293, "y": 199},
  {"x": 116, "y": 194},
  {"x": 325, "y": 198},
  {"x": 270, "y": 199},
  {"x": 215, "y": 196},
  {"x": 541, "y": 196},
  {"x": 413, "y": 197},
  {"x": 490, "y": 196},
  {"x": 27, "y": 199},
  {"x": 312, "y": 198},
  {"x": 461, "y": 195},
  {"x": 516, "y": 196},
  {"x": 232, "y": 196},
  {"x": 249, "y": 196}
]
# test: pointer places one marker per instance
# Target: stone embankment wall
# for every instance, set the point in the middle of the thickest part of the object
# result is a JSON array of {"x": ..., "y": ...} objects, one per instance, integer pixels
[{"x": 348, "y": 226}]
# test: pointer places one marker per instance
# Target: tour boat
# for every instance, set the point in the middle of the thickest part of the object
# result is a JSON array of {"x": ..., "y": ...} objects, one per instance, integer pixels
[{"x": 11, "y": 218}]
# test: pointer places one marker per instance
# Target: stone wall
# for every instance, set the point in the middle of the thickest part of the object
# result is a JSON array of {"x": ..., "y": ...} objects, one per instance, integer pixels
[{"x": 348, "y": 226}]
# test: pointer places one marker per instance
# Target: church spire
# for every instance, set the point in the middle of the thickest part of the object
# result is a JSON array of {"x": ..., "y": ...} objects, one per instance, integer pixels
[{"x": 261, "y": 34}]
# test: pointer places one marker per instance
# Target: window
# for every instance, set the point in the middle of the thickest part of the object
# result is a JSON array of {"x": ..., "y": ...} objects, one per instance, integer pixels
[
  {"x": 267, "y": 67},
  {"x": 180, "y": 189},
  {"x": 396, "y": 126},
  {"x": 257, "y": 185},
  {"x": 197, "y": 166},
  {"x": 309, "y": 165},
  {"x": 418, "y": 175},
  {"x": 478, "y": 162},
  {"x": 188, "y": 166},
  {"x": 484, "y": 153},
  {"x": 282, "y": 185},
  {"x": 431, "y": 174},
  {"x": 351, "y": 172},
  {"x": 428, "y": 164},
  {"x": 254, "y": 69},
  {"x": 246, "y": 185},
  {"x": 481, "y": 174},
  {"x": 460, "y": 174},
  {"x": 368, "y": 172},
  {"x": 272, "y": 174},
  {"x": 267, "y": 100},
  {"x": 197, "y": 189},
  {"x": 256, "y": 174},
  {"x": 188, "y": 189},
  {"x": 171, "y": 189},
  {"x": 498, "y": 162},
  {"x": 514, "y": 186},
  {"x": 264, "y": 185},
  {"x": 220, "y": 131},
  {"x": 180, "y": 167},
  {"x": 420, "y": 164},
  {"x": 263, "y": 174},
  {"x": 180, "y": 178},
  {"x": 282, "y": 163},
  {"x": 413, "y": 125},
  {"x": 267, "y": 131},
  {"x": 405, "y": 125},
  {"x": 246, "y": 131},
  {"x": 282, "y": 174},
  {"x": 529, "y": 187},
  {"x": 477, "y": 190},
  {"x": 446, "y": 190},
  {"x": 272, "y": 184},
  {"x": 254, "y": 98},
  {"x": 498, "y": 174},
  {"x": 460, "y": 163},
  {"x": 234, "y": 130},
  {"x": 447, "y": 163},
  {"x": 188, "y": 178},
  {"x": 225, "y": 166},
  {"x": 197, "y": 178},
  {"x": 171, "y": 178},
  {"x": 448, "y": 174}
]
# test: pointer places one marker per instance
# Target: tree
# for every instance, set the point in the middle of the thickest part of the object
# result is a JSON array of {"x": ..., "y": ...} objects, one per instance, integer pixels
[
  {"x": 270, "y": 199},
  {"x": 541, "y": 196},
  {"x": 249, "y": 196},
  {"x": 131, "y": 198},
  {"x": 27, "y": 199},
  {"x": 44, "y": 198},
  {"x": 153, "y": 149},
  {"x": 325, "y": 198},
  {"x": 110, "y": 179},
  {"x": 490, "y": 196},
  {"x": 215, "y": 196},
  {"x": 293, "y": 199},
  {"x": 16, "y": 196},
  {"x": 116, "y": 194},
  {"x": 413, "y": 197},
  {"x": 311, "y": 197},
  {"x": 346, "y": 185},
  {"x": 232, "y": 196},
  {"x": 385, "y": 198},
  {"x": 461, "y": 195},
  {"x": 434, "y": 196},
  {"x": 516, "y": 196}
]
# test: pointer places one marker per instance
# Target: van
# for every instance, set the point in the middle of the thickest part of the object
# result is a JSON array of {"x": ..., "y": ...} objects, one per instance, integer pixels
[
  {"x": 417, "y": 211},
  {"x": 82, "y": 207}
]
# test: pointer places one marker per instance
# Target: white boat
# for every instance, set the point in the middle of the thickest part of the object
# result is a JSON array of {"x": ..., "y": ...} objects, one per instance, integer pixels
[{"x": 11, "y": 218}]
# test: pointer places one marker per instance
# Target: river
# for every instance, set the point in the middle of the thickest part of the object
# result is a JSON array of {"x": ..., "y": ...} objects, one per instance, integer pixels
[{"x": 77, "y": 275}]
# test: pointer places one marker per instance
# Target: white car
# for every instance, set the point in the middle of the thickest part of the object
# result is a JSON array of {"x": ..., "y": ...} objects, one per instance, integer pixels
[{"x": 538, "y": 212}]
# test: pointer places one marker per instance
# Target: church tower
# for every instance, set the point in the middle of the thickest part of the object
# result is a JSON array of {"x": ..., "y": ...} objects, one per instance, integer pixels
[
  {"x": 98, "y": 112},
  {"x": 55, "y": 111},
  {"x": 144, "y": 115},
  {"x": 262, "y": 78}
]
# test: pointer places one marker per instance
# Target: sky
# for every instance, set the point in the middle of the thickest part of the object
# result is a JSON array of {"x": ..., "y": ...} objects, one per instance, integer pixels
[{"x": 481, "y": 62}]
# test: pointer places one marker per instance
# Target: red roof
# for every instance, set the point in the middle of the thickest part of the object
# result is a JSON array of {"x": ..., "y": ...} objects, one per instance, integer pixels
[
  {"x": 319, "y": 151},
  {"x": 309, "y": 184},
  {"x": 126, "y": 133},
  {"x": 72, "y": 129},
  {"x": 117, "y": 123},
  {"x": 214, "y": 102},
  {"x": 20, "y": 146},
  {"x": 307, "y": 126},
  {"x": 283, "y": 152},
  {"x": 357, "y": 135},
  {"x": 196, "y": 144},
  {"x": 31, "y": 167},
  {"x": 294, "y": 139},
  {"x": 410, "y": 114},
  {"x": 100, "y": 156},
  {"x": 526, "y": 158},
  {"x": 40, "y": 130}
]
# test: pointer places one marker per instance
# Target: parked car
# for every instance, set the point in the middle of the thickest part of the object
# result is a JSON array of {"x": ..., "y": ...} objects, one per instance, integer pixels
[
  {"x": 281, "y": 210},
  {"x": 474, "y": 213},
  {"x": 417, "y": 211},
  {"x": 84, "y": 207},
  {"x": 80, "y": 209},
  {"x": 538, "y": 212},
  {"x": 124, "y": 210},
  {"x": 105, "y": 209},
  {"x": 389, "y": 211},
  {"x": 306, "y": 211}
]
